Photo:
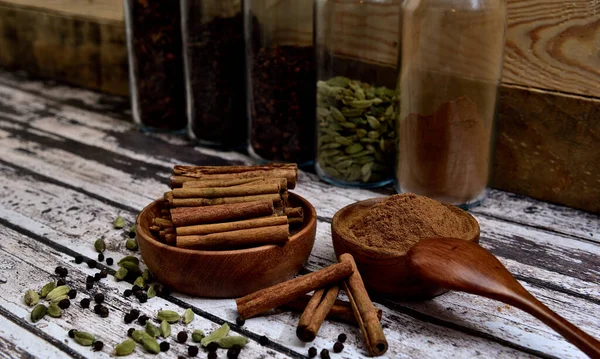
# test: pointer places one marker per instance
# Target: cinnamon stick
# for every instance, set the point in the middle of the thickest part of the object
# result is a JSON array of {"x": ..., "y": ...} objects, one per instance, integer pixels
[
  {"x": 188, "y": 216},
  {"x": 198, "y": 202},
  {"x": 315, "y": 313},
  {"x": 341, "y": 310},
  {"x": 279, "y": 294},
  {"x": 293, "y": 212},
  {"x": 236, "y": 239},
  {"x": 364, "y": 310},
  {"x": 194, "y": 182},
  {"x": 163, "y": 223},
  {"x": 289, "y": 171},
  {"x": 219, "y": 192},
  {"x": 231, "y": 226}
]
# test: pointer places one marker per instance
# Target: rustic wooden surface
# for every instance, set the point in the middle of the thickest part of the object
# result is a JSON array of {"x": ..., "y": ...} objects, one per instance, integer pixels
[{"x": 70, "y": 165}]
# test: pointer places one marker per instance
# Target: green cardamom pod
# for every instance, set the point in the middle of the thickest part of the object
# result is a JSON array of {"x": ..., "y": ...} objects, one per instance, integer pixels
[
  {"x": 120, "y": 274},
  {"x": 229, "y": 342},
  {"x": 132, "y": 268},
  {"x": 139, "y": 281},
  {"x": 85, "y": 339},
  {"x": 31, "y": 298},
  {"x": 165, "y": 329},
  {"x": 354, "y": 148},
  {"x": 197, "y": 335},
  {"x": 54, "y": 311},
  {"x": 152, "y": 330},
  {"x": 188, "y": 316},
  {"x": 58, "y": 292},
  {"x": 119, "y": 222},
  {"x": 168, "y": 315},
  {"x": 131, "y": 244},
  {"x": 132, "y": 259},
  {"x": 133, "y": 229},
  {"x": 151, "y": 292},
  {"x": 100, "y": 245},
  {"x": 151, "y": 345},
  {"x": 216, "y": 335},
  {"x": 38, "y": 312},
  {"x": 147, "y": 275},
  {"x": 58, "y": 299},
  {"x": 125, "y": 348},
  {"x": 137, "y": 335},
  {"x": 47, "y": 289},
  {"x": 373, "y": 122}
]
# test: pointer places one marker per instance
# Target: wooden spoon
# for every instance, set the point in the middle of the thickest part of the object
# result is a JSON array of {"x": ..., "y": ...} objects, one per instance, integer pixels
[{"x": 464, "y": 266}]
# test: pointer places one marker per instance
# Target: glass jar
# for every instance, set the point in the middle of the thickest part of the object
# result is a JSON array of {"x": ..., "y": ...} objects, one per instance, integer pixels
[
  {"x": 281, "y": 80},
  {"x": 357, "y": 102},
  {"x": 452, "y": 52},
  {"x": 153, "y": 30},
  {"x": 215, "y": 72}
]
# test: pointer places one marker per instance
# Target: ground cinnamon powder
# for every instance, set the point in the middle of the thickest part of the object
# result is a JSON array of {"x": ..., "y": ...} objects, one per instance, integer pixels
[{"x": 401, "y": 220}]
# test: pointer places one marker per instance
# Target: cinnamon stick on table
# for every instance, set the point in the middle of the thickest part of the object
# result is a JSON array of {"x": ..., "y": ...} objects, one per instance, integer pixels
[
  {"x": 279, "y": 294},
  {"x": 364, "y": 310},
  {"x": 315, "y": 312},
  {"x": 187, "y": 216},
  {"x": 236, "y": 239},
  {"x": 289, "y": 171},
  {"x": 340, "y": 311}
]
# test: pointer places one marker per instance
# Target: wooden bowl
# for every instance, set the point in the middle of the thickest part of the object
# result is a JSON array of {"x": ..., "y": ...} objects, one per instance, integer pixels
[
  {"x": 385, "y": 273},
  {"x": 231, "y": 273}
]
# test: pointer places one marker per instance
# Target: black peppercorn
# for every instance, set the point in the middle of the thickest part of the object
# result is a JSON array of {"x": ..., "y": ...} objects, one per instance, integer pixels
[
  {"x": 166, "y": 291},
  {"x": 98, "y": 346},
  {"x": 338, "y": 347},
  {"x": 89, "y": 279},
  {"x": 97, "y": 277},
  {"x": 134, "y": 313},
  {"x": 131, "y": 234},
  {"x": 130, "y": 331},
  {"x": 104, "y": 273},
  {"x": 104, "y": 312},
  {"x": 128, "y": 318},
  {"x": 127, "y": 293},
  {"x": 110, "y": 261},
  {"x": 60, "y": 282},
  {"x": 212, "y": 355},
  {"x": 240, "y": 321},
  {"x": 63, "y": 272},
  {"x": 312, "y": 352},
  {"x": 143, "y": 297},
  {"x": 263, "y": 340},
  {"x": 57, "y": 270},
  {"x": 72, "y": 293},
  {"x": 89, "y": 285},
  {"x": 233, "y": 353},
  {"x": 72, "y": 333},
  {"x": 64, "y": 304},
  {"x": 97, "y": 308},
  {"x": 164, "y": 346},
  {"x": 142, "y": 320},
  {"x": 182, "y": 337},
  {"x": 325, "y": 354},
  {"x": 342, "y": 338},
  {"x": 212, "y": 347},
  {"x": 99, "y": 298},
  {"x": 100, "y": 257},
  {"x": 192, "y": 350},
  {"x": 85, "y": 303},
  {"x": 91, "y": 263},
  {"x": 79, "y": 259},
  {"x": 136, "y": 289}
]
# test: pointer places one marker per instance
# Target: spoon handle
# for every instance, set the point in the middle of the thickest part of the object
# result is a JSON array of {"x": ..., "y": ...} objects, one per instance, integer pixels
[{"x": 528, "y": 303}]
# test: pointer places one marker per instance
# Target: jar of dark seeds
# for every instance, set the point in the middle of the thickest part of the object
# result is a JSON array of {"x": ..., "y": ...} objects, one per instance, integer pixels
[
  {"x": 213, "y": 46},
  {"x": 357, "y": 103},
  {"x": 156, "y": 83},
  {"x": 281, "y": 80}
]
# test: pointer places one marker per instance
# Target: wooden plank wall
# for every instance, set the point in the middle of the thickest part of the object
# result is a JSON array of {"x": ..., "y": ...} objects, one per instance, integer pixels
[{"x": 548, "y": 123}]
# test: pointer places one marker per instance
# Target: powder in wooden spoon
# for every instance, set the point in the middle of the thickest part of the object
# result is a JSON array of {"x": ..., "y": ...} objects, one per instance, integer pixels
[{"x": 400, "y": 221}]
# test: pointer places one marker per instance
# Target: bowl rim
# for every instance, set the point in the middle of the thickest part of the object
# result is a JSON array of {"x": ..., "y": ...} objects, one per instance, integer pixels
[{"x": 149, "y": 238}]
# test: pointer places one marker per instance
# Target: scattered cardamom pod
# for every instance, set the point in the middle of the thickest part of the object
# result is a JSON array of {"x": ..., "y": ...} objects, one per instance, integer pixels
[
  {"x": 168, "y": 315},
  {"x": 132, "y": 229},
  {"x": 132, "y": 259},
  {"x": 119, "y": 222},
  {"x": 54, "y": 310},
  {"x": 151, "y": 345},
  {"x": 139, "y": 281},
  {"x": 152, "y": 330},
  {"x": 216, "y": 335},
  {"x": 188, "y": 316},
  {"x": 125, "y": 348},
  {"x": 31, "y": 298},
  {"x": 38, "y": 312},
  {"x": 120, "y": 274},
  {"x": 137, "y": 335},
  {"x": 85, "y": 339},
  {"x": 99, "y": 245},
  {"x": 229, "y": 342},
  {"x": 131, "y": 244},
  {"x": 58, "y": 292},
  {"x": 58, "y": 299},
  {"x": 165, "y": 329},
  {"x": 147, "y": 275},
  {"x": 132, "y": 268},
  {"x": 197, "y": 335},
  {"x": 151, "y": 292},
  {"x": 47, "y": 289}
]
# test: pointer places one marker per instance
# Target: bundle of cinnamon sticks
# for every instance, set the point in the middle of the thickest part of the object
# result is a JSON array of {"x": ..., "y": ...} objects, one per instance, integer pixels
[
  {"x": 228, "y": 207},
  {"x": 323, "y": 303}
]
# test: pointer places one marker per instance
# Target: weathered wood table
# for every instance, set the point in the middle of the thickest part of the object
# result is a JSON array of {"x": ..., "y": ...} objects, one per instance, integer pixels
[{"x": 69, "y": 164}]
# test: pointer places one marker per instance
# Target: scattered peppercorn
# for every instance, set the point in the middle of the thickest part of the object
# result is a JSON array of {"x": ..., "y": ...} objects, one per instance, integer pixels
[
  {"x": 142, "y": 320},
  {"x": 263, "y": 340},
  {"x": 104, "y": 273},
  {"x": 100, "y": 257},
  {"x": 192, "y": 350},
  {"x": 110, "y": 261},
  {"x": 312, "y": 352},
  {"x": 240, "y": 321},
  {"x": 342, "y": 338},
  {"x": 212, "y": 355},
  {"x": 64, "y": 304},
  {"x": 72, "y": 333},
  {"x": 131, "y": 234},
  {"x": 57, "y": 270},
  {"x": 91, "y": 263},
  {"x": 134, "y": 313},
  {"x": 142, "y": 297},
  {"x": 99, "y": 298},
  {"x": 89, "y": 279},
  {"x": 97, "y": 308},
  {"x": 164, "y": 346},
  {"x": 79, "y": 259},
  {"x": 85, "y": 303},
  {"x": 127, "y": 293},
  {"x": 104, "y": 312},
  {"x": 338, "y": 347},
  {"x": 98, "y": 346},
  {"x": 89, "y": 285},
  {"x": 72, "y": 293},
  {"x": 212, "y": 347},
  {"x": 60, "y": 282},
  {"x": 130, "y": 331},
  {"x": 325, "y": 354},
  {"x": 234, "y": 352},
  {"x": 128, "y": 318},
  {"x": 97, "y": 277},
  {"x": 166, "y": 291},
  {"x": 182, "y": 337},
  {"x": 136, "y": 289}
]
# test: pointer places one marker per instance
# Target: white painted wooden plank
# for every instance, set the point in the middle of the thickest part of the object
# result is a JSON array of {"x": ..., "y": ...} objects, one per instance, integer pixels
[{"x": 17, "y": 342}]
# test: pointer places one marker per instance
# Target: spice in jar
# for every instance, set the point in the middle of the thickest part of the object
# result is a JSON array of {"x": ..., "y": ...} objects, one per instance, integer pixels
[{"x": 400, "y": 221}]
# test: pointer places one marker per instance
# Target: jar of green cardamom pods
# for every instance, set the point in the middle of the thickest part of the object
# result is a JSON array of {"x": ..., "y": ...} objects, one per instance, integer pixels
[{"x": 357, "y": 99}]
